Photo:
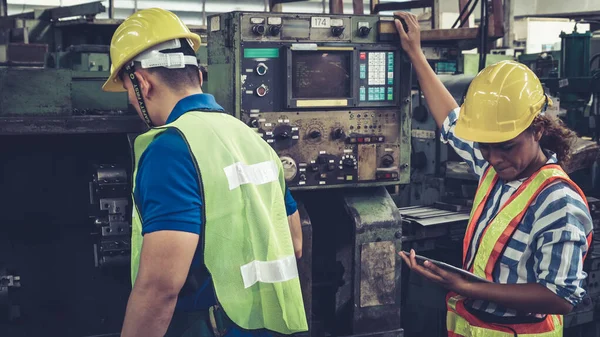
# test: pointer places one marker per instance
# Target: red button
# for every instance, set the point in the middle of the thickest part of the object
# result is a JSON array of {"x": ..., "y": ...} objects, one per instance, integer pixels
[
  {"x": 363, "y": 56},
  {"x": 387, "y": 175},
  {"x": 360, "y": 140}
]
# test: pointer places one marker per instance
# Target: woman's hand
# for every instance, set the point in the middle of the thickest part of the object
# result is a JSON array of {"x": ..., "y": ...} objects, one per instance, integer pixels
[
  {"x": 449, "y": 280},
  {"x": 411, "y": 41}
]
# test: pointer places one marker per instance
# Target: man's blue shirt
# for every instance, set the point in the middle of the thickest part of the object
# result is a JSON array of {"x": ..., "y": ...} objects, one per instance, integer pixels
[{"x": 168, "y": 196}]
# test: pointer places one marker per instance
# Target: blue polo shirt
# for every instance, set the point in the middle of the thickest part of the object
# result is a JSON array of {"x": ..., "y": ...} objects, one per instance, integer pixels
[{"x": 168, "y": 197}]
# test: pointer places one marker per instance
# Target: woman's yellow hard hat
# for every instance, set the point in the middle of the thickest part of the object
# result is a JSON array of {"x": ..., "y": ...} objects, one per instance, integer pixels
[
  {"x": 502, "y": 101},
  {"x": 142, "y": 30}
]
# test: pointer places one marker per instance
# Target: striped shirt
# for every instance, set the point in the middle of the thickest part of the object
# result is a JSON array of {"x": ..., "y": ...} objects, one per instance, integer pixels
[{"x": 548, "y": 245}]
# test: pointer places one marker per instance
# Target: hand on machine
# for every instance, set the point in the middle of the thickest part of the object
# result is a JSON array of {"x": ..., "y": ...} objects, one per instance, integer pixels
[{"x": 408, "y": 28}]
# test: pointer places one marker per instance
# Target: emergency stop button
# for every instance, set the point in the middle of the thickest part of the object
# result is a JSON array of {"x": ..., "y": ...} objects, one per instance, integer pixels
[{"x": 261, "y": 91}]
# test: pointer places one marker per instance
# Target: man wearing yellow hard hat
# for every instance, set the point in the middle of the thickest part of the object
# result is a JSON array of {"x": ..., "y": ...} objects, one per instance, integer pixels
[
  {"x": 530, "y": 228},
  {"x": 212, "y": 251}
]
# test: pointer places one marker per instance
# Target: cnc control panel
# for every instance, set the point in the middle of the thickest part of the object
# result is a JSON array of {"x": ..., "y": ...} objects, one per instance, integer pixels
[{"x": 330, "y": 93}]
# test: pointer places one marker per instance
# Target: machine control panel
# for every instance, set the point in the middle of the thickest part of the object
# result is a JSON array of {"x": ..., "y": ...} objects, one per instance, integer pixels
[
  {"x": 344, "y": 147},
  {"x": 329, "y": 93}
]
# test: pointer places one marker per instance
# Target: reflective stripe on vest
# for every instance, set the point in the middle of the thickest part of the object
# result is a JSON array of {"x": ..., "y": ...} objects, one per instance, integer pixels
[
  {"x": 246, "y": 240},
  {"x": 461, "y": 323},
  {"x": 493, "y": 241}
]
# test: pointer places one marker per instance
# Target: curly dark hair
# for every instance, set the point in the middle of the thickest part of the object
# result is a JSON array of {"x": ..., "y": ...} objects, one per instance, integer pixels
[{"x": 557, "y": 137}]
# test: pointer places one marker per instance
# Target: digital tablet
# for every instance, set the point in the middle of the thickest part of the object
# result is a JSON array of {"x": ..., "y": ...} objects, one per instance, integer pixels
[{"x": 470, "y": 276}]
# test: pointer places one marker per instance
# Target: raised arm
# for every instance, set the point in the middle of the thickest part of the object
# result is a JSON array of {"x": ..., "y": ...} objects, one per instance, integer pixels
[
  {"x": 438, "y": 98},
  {"x": 442, "y": 105}
]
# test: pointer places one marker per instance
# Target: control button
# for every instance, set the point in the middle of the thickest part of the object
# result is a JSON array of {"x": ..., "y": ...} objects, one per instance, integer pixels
[
  {"x": 262, "y": 90},
  {"x": 253, "y": 123},
  {"x": 364, "y": 31},
  {"x": 303, "y": 177},
  {"x": 363, "y": 55},
  {"x": 338, "y": 134},
  {"x": 349, "y": 178},
  {"x": 315, "y": 134},
  {"x": 337, "y": 31},
  {"x": 330, "y": 167},
  {"x": 258, "y": 29},
  {"x": 387, "y": 160},
  {"x": 314, "y": 167},
  {"x": 261, "y": 69},
  {"x": 289, "y": 167},
  {"x": 274, "y": 30},
  {"x": 420, "y": 113}
]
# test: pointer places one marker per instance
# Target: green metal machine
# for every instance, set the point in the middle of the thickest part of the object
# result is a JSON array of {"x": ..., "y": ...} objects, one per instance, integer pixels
[
  {"x": 331, "y": 94},
  {"x": 577, "y": 84}
]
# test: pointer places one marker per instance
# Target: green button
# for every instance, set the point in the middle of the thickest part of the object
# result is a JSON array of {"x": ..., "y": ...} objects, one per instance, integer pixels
[
  {"x": 390, "y": 97},
  {"x": 363, "y": 75}
]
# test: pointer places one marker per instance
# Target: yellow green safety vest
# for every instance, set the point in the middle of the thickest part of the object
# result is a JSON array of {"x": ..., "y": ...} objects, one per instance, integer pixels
[
  {"x": 459, "y": 321},
  {"x": 248, "y": 248}
]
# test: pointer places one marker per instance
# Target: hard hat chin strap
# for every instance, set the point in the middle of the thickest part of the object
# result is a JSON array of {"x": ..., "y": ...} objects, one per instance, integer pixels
[{"x": 130, "y": 71}]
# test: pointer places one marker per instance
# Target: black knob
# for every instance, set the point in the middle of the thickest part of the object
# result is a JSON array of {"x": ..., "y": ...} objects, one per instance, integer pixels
[
  {"x": 387, "y": 160},
  {"x": 259, "y": 29},
  {"x": 302, "y": 176},
  {"x": 348, "y": 162},
  {"x": 253, "y": 123},
  {"x": 283, "y": 135},
  {"x": 364, "y": 31},
  {"x": 314, "y": 167},
  {"x": 337, "y": 31},
  {"x": 315, "y": 134},
  {"x": 338, "y": 133},
  {"x": 420, "y": 113},
  {"x": 330, "y": 167},
  {"x": 274, "y": 30}
]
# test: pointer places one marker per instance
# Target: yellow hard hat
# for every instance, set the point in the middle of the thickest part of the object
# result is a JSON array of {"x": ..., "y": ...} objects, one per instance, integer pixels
[
  {"x": 502, "y": 101},
  {"x": 141, "y": 31}
]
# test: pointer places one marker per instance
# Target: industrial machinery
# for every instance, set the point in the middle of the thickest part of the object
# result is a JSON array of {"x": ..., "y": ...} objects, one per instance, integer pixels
[
  {"x": 574, "y": 77},
  {"x": 331, "y": 94}
]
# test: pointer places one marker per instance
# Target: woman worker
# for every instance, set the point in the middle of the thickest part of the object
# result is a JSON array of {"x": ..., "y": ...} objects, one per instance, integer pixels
[{"x": 530, "y": 227}]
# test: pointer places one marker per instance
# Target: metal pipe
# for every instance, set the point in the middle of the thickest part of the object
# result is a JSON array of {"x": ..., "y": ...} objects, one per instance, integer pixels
[
  {"x": 336, "y": 6},
  {"x": 204, "y": 19},
  {"x": 275, "y": 6},
  {"x": 111, "y": 9},
  {"x": 3, "y": 7},
  {"x": 358, "y": 7},
  {"x": 509, "y": 23},
  {"x": 373, "y": 4},
  {"x": 464, "y": 20},
  {"x": 135, "y": 6},
  {"x": 436, "y": 15}
]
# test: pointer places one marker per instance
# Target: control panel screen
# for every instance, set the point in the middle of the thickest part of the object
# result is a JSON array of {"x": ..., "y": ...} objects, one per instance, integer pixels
[{"x": 321, "y": 74}]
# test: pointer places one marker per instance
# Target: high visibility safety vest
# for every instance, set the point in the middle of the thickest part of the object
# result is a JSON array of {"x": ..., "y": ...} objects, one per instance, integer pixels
[
  {"x": 247, "y": 244},
  {"x": 460, "y": 321}
]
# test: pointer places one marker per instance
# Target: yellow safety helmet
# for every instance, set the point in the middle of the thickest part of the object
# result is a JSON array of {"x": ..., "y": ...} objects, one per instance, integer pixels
[
  {"x": 502, "y": 101},
  {"x": 140, "y": 32}
]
